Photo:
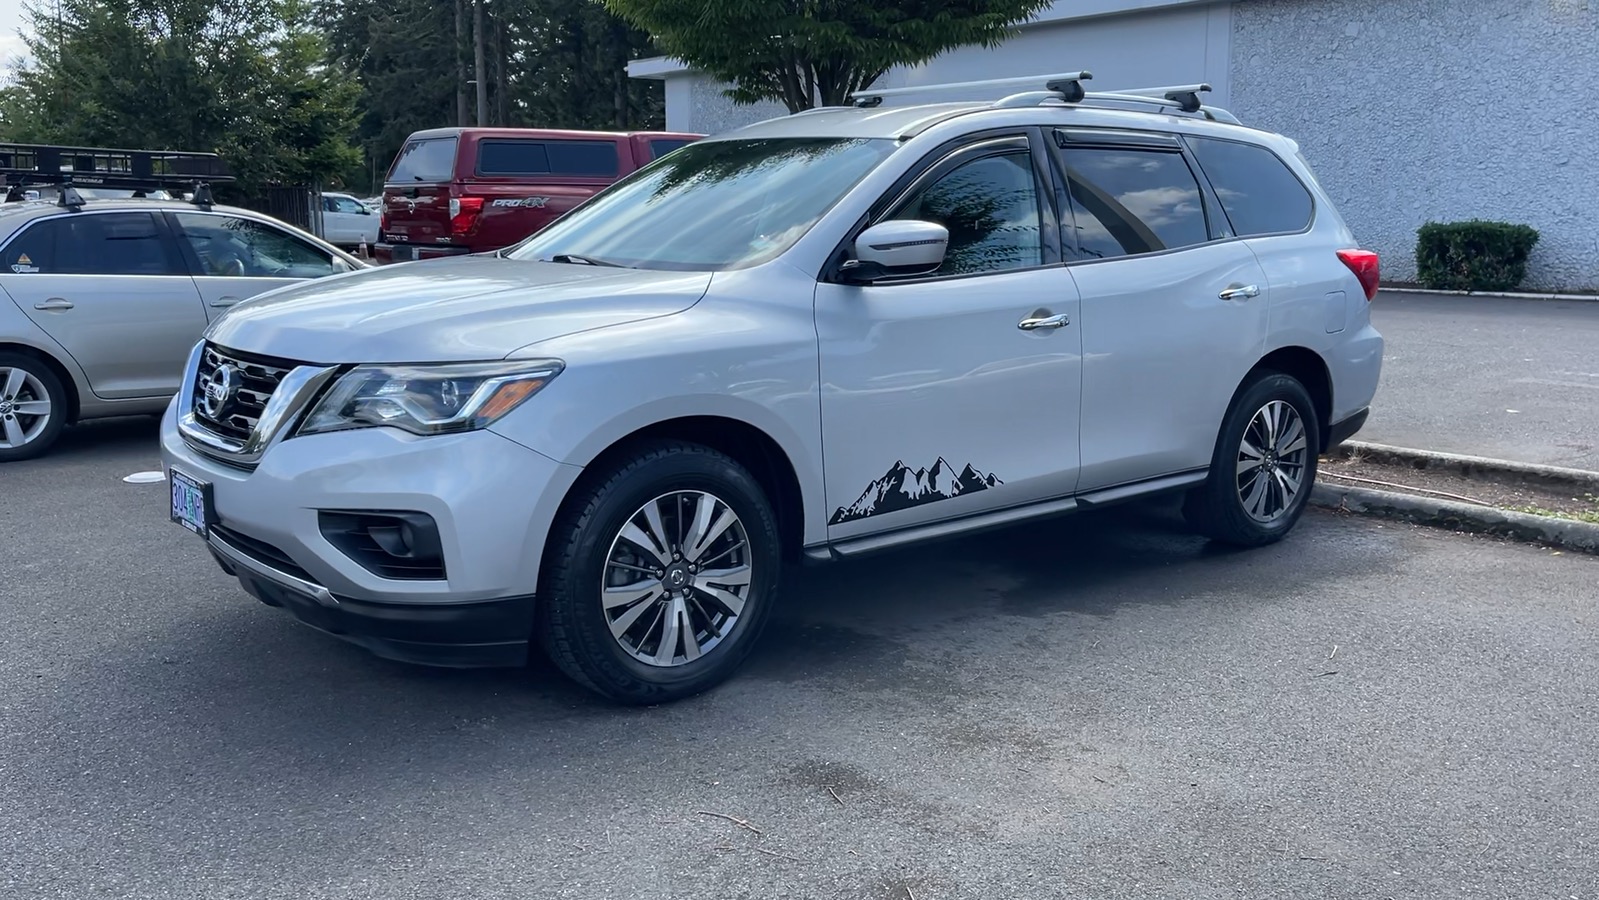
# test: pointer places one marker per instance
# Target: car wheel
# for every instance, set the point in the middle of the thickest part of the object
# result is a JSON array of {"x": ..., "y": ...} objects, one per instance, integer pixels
[
  {"x": 1264, "y": 466},
  {"x": 33, "y": 407},
  {"x": 659, "y": 575}
]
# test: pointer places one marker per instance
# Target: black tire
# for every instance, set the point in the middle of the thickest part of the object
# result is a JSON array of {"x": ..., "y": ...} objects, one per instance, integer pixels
[
  {"x": 572, "y": 624},
  {"x": 45, "y": 380},
  {"x": 1218, "y": 509}
]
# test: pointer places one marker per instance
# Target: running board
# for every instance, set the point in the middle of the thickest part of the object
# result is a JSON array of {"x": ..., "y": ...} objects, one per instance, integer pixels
[
  {"x": 1107, "y": 496},
  {"x": 851, "y": 548}
]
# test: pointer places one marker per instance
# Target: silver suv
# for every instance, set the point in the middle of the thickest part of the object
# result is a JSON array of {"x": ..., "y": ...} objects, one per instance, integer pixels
[
  {"x": 100, "y": 301},
  {"x": 816, "y": 337}
]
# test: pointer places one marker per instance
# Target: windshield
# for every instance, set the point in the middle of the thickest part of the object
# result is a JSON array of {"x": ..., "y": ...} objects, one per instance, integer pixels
[{"x": 711, "y": 205}]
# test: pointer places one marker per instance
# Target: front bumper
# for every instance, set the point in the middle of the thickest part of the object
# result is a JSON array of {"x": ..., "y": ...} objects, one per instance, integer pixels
[
  {"x": 462, "y": 635},
  {"x": 492, "y": 500}
]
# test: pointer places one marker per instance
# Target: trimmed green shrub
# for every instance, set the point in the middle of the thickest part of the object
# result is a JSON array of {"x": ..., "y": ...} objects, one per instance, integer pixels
[{"x": 1474, "y": 255}]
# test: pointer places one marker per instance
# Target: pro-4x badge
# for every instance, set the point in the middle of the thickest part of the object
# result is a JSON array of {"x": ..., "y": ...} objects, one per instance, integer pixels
[{"x": 533, "y": 202}]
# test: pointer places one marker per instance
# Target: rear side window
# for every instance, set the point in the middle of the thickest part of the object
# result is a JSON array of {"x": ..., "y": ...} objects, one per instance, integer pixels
[
  {"x": 1257, "y": 190},
  {"x": 589, "y": 159},
  {"x": 1127, "y": 202},
  {"x": 662, "y": 146},
  {"x": 94, "y": 244},
  {"x": 430, "y": 161}
]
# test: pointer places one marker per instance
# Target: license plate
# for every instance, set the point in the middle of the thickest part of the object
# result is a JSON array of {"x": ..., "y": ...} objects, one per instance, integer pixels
[
  {"x": 191, "y": 503},
  {"x": 402, "y": 253}
]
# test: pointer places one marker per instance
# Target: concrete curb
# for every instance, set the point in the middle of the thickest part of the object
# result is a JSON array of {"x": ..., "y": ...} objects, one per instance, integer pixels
[
  {"x": 1563, "y": 533},
  {"x": 1480, "y": 468},
  {"x": 1504, "y": 295}
]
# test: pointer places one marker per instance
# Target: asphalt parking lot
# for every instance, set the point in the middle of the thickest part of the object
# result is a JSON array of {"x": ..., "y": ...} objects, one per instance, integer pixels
[{"x": 1102, "y": 707}]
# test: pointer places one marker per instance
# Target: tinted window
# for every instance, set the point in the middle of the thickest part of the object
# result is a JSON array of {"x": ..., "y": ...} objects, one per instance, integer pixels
[
  {"x": 582, "y": 158},
  {"x": 1126, "y": 202},
  {"x": 31, "y": 252},
  {"x": 713, "y": 204},
  {"x": 93, "y": 244},
  {"x": 662, "y": 146},
  {"x": 990, "y": 206},
  {"x": 431, "y": 160},
  {"x": 1257, "y": 191},
  {"x": 245, "y": 248},
  {"x": 342, "y": 205}
]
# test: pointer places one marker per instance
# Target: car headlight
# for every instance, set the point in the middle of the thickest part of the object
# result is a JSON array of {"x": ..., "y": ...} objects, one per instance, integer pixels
[{"x": 429, "y": 399}]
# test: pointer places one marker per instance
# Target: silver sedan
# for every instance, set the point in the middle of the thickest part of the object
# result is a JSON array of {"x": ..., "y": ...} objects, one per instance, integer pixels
[{"x": 100, "y": 304}]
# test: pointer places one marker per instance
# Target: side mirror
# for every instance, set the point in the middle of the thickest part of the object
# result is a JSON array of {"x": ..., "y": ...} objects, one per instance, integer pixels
[{"x": 897, "y": 248}]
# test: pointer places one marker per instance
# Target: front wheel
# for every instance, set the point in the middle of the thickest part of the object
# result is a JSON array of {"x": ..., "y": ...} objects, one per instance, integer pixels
[
  {"x": 659, "y": 575},
  {"x": 1264, "y": 465}
]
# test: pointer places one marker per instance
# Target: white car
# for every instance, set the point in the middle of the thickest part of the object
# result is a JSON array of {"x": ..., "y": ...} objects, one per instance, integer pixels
[
  {"x": 347, "y": 222},
  {"x": 813, "y": 338}
]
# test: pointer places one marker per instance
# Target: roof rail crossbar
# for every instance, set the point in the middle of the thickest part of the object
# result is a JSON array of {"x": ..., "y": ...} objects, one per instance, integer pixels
[
  {"x": 1066, "y": 86},
  {"x": 1182, "y": 97}
]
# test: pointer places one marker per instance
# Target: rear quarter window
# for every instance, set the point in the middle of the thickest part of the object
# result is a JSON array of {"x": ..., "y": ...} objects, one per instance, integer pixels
[
  {"x": 431, "y": 160},
  {"x": 582, "y": 159},
  {"x": 1257, "y": 190}
]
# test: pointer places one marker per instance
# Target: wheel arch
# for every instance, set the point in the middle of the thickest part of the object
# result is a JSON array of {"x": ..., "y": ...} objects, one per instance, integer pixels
[
  {"x": 57, "y": 368},
  {"x": 1308, "y": 368},
  {"x": 750, "y": 446}
]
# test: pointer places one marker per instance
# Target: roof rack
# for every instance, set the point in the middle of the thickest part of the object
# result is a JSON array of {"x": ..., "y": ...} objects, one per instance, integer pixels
[
  {"x": 1063, "y": 86},
  {"x": 1183, "y": 97},
  {"x": 24, "y": 165},
  {"x": 1066, "y": 88}
]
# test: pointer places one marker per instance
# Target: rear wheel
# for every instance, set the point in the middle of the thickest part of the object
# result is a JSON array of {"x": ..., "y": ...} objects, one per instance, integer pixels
[
  {"x": 1264, "y": 465},
  {"x": 660, "y": 575},
  {"x": 33, "y": 407}
]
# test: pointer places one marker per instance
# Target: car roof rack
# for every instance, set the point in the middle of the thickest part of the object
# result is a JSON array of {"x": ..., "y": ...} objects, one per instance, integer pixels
[
  {"x": 25, "y": 165},
  {"x": 1066, "y": 87},
  {"x": 1062, "y": 86}
]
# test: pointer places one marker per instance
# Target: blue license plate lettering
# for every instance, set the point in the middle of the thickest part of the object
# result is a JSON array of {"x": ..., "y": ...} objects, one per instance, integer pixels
[{"x": 188, "y": 503}]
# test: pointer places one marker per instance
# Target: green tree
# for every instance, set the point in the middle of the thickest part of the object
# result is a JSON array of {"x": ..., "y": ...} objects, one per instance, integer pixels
[
  {"x": 810, "y": 52},
  {"x": 244, "y": 78}
]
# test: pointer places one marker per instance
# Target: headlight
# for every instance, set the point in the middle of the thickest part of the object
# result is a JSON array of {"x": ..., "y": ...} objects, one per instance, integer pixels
[{"x": 429, "y": 399}]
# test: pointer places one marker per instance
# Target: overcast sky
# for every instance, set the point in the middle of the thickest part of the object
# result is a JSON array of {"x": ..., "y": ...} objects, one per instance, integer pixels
[{"x": 10, "y": 21}]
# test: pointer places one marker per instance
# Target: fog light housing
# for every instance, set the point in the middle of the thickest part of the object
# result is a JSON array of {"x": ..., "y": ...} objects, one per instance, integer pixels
[{"x": 404, "y": 546}]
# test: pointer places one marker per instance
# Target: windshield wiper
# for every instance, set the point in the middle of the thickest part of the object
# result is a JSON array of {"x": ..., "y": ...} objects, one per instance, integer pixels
[{"x": 584, "y": 260}]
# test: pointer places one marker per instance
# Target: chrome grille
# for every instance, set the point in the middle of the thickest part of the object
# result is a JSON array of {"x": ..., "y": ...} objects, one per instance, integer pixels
[{"x": 256, "y": 378}]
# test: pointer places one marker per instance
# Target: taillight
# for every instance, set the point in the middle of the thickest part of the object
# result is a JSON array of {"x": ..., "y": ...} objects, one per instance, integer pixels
[
  {"x": 1367, "y": 267},
  {"x": 383, "y": 222},
  {"x": 463, "y": 214}
]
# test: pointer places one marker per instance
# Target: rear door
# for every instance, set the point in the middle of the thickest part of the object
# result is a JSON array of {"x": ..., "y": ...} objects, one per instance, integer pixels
[
  {"x": 111, "y": 288},
  {"x": 1174, "y": 312},
  {"x": 519, "y": 185},
  {"x": 416, "y": 195},
  {"x": 234, "y": 257}
]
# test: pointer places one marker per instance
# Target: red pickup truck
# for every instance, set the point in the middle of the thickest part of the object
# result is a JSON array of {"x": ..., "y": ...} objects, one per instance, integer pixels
[{"x": 471, "y": 190}]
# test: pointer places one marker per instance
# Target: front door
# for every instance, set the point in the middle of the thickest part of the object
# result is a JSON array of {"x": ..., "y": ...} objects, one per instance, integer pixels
[
  {"x": 234, "y": 258},
  {"x": 1174, "y": 311},
  {"x": 940, "y": 396},
  {"x": 110, "y": 288}
]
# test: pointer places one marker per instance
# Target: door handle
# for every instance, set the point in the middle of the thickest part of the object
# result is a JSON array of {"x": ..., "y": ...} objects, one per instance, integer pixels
[
  {"x": 221, "y": 302},
  {"x": 1242, "y": 292},
  {"x": 1046, "y": 323},
  {"x": 54, "y": 303}
]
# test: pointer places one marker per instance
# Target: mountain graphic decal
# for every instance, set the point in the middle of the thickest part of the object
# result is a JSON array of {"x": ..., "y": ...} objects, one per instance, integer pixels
[{"x": 903, "y": 487}]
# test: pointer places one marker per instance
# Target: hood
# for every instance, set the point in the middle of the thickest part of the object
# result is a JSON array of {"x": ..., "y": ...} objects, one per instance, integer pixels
[{"x": 450, "y": 310}]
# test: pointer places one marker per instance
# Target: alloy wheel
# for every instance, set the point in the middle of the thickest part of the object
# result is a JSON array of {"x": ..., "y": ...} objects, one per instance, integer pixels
[
  {"x": 1272, "y": 458},
  {"x": 677, "y": 578},
  {"x": 25, "y": 408}
]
